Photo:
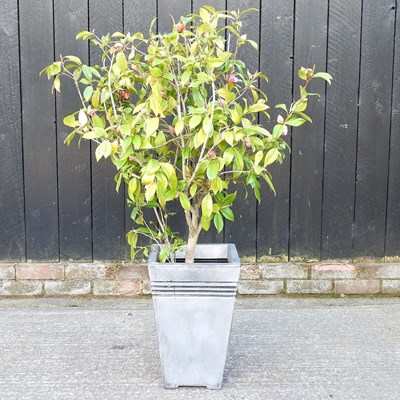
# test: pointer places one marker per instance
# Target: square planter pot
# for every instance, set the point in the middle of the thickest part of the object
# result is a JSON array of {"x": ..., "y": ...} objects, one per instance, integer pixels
[{"x": 193, "y": 307}]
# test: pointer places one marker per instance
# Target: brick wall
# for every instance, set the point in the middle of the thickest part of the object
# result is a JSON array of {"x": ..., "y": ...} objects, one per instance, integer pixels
[{"x": 123, "y": 279}]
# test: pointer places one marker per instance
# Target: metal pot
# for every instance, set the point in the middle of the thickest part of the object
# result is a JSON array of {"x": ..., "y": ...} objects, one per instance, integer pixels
[{"x": 193, "y": 307}]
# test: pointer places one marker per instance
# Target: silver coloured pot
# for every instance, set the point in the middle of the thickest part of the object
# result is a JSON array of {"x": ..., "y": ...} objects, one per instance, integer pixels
[{"x": 193, "y": 307}]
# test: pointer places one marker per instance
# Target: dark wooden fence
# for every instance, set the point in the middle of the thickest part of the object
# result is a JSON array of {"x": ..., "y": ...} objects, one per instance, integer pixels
[{"x": 338, "y": 194}]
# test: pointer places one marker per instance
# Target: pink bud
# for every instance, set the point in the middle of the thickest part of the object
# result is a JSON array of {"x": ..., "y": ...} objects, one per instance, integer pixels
[
  {"x": 221, "y": 102},
  {"x": 150, "y": 59},
  {"x": 118, "y": 46},
  {"x": 212, "y": 153},
  {"x": 280, "y": 119},
  {"x": 171, "y": 129},
  {"x": 247, "y": 142},
  {"x": 285, "y": 130},
  {"x": 135, "y": 68},
  {"x": 180, "y": 26},
  {"x": 91, "y": 112},
  {"x": 232, "y": 79}
]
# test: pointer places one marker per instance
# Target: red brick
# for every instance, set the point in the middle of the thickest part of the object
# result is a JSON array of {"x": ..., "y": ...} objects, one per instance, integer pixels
[
  {"x": 39, "y": 271},
  {"x": 86, "y": 271},
  {"x": 260, "y": 287},
  {"x": 309, "y": 287},
  {"x": 333, "y": 271},
  {"x": 72, "y": 287},
  {"x": 362, "y": 286},
  {"x": 7, "y": 271},
  {"x": 249, "y": 272},
  {"x": 117, "y": 288},
  {"x": 132, "y": 271},
  {"x": 21, "y": 288}
]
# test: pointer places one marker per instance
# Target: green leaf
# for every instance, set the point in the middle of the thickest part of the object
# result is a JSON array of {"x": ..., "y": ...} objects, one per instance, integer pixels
[
  {"x": 206, "y": 205},
  {"x": 87, "y": 93},
  {"x": 152, "y": 125},
  {"x": 271, "y": 156},
  {"x": 169, "y": 170},
  {"x": 226, "y": 94},
  {"x": 56, "y": 83},
  {"x": 207, "y": 125},
  {"x": 179, "y": 126},
  {"x": 293, "y": 121},
  {"x": 70, "y": 121},
  {"x": 150, "y": 191},
  {"x": 282, "y": 106},
  {"x": 257, "y": 108},
  {"x": 228, "y": 200},
  {"x": 205, "y": 223},
  {"x": 324, "y": 75},
  {"x": 193, "y": 189},
  {"x": 132, "y": 186},
  {"x": 85, "y": 35},
  {"x": 215, "y": 62},
  {"x": 103, "y": 150},
  {"x": 236, "y": 118},
  {"x": 253, "y": 43},
  {"x": 258, "y": 157},
  {"x": 96, "y": 98},
  {"x": 228, "y": 213},
  {"x": 213, "y": 169},
  {"x": 121, "y": 61},
  {"x": 277, "y": 131},
  {"x": 204, "y": 15},
  {"x": 82, "y": 117},
  {"x": 199, "y": 138},
  {"x": 185, "y": 77},
  {"x": 185, "y": 203},
  {"x": 218, "y": 222},
  {"x": 74, "y": 59},
  {"x": 194, "y": 121}
]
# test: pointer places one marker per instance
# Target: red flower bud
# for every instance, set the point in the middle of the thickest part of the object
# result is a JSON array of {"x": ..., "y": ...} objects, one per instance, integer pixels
[
  {"x": 171, "y": 129},
  {"x": 180, "y": 26},
  {"x": 118, "y": 46},
  {"x": 135, "y": 68},
  {"x": 125, "y": 95},
  {"x": 150, "y": 59},
  {"x": 280, "y": 119},
  {"x": 247, "y": 142},
  {"x": 221, "y": 102},
  {"x": 232, "y": 79},
  {"x": 212, "y": 153},
  {"x": 91, "y": 112}
]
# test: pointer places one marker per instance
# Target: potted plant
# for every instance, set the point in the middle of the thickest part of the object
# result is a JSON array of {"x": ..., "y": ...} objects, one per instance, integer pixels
[{"x": 177, "y": 115}]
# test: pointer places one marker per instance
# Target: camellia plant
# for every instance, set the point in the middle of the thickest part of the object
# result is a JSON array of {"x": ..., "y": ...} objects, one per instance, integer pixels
[{"x": 177, "y": 115}]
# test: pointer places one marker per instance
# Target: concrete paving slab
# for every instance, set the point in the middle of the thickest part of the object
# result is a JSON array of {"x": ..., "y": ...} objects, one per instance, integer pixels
[{"x": 280, "y": 348}]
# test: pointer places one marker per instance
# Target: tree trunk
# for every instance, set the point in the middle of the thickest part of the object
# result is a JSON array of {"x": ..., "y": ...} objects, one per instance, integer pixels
[{"x": 191, "y": 246}]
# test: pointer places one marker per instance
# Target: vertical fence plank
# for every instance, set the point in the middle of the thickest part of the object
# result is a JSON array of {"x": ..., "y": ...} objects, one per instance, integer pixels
[
  {"x": 39, "y": 133},
  {"x": 176, "y": 9},
  {"x": 308, "y": 140},
  {"x": 137, "y": 18},
  {"x": 212, "y": 235},
  {"x": 108, "y": 206},
  {"x": 12, "y": 219},
  {"x": 374, "y": 126},
  {"x": 243, "y": 232},
  {"x": 393, "y": 207},
  {"x": 276, "y": 61},
  {"x": 73, "y": 163},
  {"x": 341, "y": 128},
  {"x": 168, "y": 9}
]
